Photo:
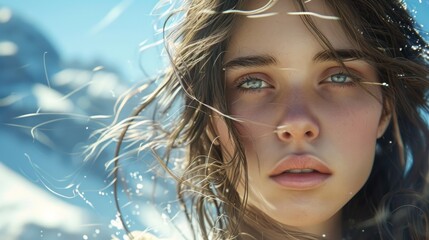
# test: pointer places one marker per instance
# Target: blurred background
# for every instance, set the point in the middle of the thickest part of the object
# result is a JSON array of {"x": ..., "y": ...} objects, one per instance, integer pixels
[{"x": 63, "y": 65}]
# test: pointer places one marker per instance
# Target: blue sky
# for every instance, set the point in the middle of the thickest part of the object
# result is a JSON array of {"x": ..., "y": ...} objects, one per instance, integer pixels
[
  {"x": 79, "y": 30},
  {"x": 76, "y": 28}
]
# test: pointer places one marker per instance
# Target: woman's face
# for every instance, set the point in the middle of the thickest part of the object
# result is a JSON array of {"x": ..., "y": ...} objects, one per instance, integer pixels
[{"x": 309, "y": 131}]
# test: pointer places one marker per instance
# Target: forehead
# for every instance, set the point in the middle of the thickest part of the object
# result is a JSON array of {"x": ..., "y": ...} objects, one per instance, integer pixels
[{"x": 281, "y": 27}]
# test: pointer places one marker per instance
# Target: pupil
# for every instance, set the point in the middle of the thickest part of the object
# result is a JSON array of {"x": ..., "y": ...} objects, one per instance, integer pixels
[
  {"x": 254, "y": 84},
  {"x": 339, "y": 78}
]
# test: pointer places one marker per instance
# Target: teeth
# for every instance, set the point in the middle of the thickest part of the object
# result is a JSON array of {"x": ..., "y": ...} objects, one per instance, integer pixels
[{"x": 305, "y": 170}]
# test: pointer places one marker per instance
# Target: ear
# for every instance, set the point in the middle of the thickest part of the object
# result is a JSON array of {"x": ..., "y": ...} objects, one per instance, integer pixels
[
  {"x": 384, "y": 120},
  {"x": 214, "y": 139},
  {"x": 211, "y": 132}
]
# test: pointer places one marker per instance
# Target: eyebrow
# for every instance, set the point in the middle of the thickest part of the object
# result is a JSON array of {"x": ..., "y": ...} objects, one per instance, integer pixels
[
  {"x": 322, "y": 56},
  {"x": 339, "y": 54},
  {"x": 251, "y": 61}
]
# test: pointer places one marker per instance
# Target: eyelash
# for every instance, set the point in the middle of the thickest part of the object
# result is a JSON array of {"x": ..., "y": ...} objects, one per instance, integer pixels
[
  {"x": 248, "y": 79},
  {"x": 347, "y": 83},
  {"x": 351, "y": 83}
]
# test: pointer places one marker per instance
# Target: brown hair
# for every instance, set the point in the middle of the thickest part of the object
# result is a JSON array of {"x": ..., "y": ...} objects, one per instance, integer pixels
[{"x": 393, "y": 204}]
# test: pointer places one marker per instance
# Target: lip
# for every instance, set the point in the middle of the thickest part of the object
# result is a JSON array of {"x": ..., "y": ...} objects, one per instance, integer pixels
[{"x": 300, "y": 181}]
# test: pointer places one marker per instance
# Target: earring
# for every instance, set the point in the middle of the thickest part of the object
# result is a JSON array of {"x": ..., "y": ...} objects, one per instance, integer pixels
[
  {"x": 378, "y": 148},
  {"x": 215, "y": 141}
]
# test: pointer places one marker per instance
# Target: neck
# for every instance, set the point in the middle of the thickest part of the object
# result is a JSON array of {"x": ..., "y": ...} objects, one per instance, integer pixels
[{"x": 329, "y": 230}]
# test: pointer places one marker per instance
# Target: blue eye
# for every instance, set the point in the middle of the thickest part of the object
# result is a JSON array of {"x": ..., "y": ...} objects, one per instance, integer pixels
[
  {"x": 340, "y": 78},
  {"x": 252, "y": 83}
]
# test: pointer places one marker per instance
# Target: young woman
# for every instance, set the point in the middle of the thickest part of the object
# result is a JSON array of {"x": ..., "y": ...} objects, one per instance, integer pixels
[{"x": 298, "y": 120}]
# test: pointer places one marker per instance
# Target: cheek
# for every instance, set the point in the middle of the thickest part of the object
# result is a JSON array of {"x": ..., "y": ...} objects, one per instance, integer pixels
[
  {"x": 357, "y": 126},
  {"x": 228, "y": 149},
  {"x": 352, "y": 139},
  {"x": 256, "y": 122}
]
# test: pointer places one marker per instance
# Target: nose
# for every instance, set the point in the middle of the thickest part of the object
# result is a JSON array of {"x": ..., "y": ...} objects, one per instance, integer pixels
[
  {"x": 298, "y": 130},
  {"x": 298, "y": 123}
]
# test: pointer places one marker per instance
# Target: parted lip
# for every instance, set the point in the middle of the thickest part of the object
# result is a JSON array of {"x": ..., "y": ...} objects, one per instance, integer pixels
[{"x": 300, "y": 161}]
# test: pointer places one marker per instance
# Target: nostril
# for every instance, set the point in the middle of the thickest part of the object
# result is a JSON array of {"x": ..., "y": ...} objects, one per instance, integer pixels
[
  {"x": 309, "y": 134},
  {"x": 288, "y": 132}
]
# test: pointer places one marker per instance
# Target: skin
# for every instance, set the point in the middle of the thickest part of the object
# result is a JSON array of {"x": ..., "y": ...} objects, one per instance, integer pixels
[{"x": 323, "y": 113}]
